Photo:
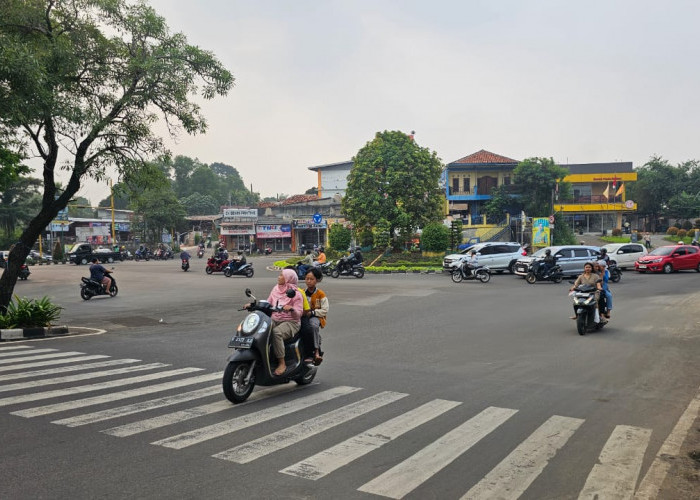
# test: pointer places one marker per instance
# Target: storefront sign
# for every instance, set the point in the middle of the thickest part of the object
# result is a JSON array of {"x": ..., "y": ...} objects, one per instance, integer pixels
[
  {"x": 274, "y": 231},
  {"x": 241, "y": 214},
  {"x": 235, "y": 230},
  {"x": 309, "y": 224}
]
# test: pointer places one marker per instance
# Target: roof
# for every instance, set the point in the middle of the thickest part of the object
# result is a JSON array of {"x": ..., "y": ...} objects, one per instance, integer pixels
[
  {"x": 599, "y": 168},
  {"x": 331, "y": 165},
  {"x": 483, "y": 157},
  {"x": 203, "y": 217},
  {"x": 299, "y": 198}
]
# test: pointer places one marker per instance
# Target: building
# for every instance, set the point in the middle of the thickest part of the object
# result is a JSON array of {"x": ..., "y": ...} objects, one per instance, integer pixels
[
  {"x": 332, "y": 179},
  {"x": 599, "y": 203}
]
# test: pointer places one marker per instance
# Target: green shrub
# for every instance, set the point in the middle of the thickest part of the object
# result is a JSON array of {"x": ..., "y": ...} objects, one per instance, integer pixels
[
  {"x": 672, "y": 231},
  {"x": 681, "y": 233},
  {"x": 687, "y": 225},
  {"x": 57, "y": 252},
  {"x": 28, "y": 313},
  {"x": 617, "y": 231},
  {"x": 435, "y": 237},
  {"x": 339, "y": 237}
]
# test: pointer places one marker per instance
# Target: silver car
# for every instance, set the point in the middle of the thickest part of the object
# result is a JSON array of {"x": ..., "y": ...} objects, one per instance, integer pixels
[
  {"x": 625, "y": 254},
  {"x": 571, "y": 258},
  {"x": 498, "y": 256}
]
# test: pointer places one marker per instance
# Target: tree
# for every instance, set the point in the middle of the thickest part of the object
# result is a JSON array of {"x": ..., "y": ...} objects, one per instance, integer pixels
[
  {"x": 80, "y": 207},
  {"x": 159, "y": 211},
  {"x": 88, "y": 79},
  {"x": 200, "y": 204},
  {"x": 501, "y": 202},
  {"x": 536, "y": 181},
  {"x": 435, "y": 237},
  {"x": 17, "y": 201},
  {"x": 396, "y": 181},
  {"x": 11, "y": 167},
  {"x": 339, "y": 237}
]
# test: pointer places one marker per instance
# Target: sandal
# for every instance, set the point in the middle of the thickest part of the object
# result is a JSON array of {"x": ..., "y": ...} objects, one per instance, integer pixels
[{"x": 318, "y": 360}]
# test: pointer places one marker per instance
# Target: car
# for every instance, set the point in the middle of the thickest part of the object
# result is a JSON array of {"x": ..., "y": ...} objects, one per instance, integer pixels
[
  {"x": 499, "y": 256},
  {"x": 670, "y": 258},
  {"x": 4, "y": 255},
  {"x": 625, "y": 254},
  {"x": 39, "y": 256},
  {"x": 570, "y": 258}
]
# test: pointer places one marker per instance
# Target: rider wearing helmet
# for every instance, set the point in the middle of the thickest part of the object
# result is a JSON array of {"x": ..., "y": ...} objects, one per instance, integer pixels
[
  {"x": 604, "y": 256},
  {"x": 548, "y": 262}
]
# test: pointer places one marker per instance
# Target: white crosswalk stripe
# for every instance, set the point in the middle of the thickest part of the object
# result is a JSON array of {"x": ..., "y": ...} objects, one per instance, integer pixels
[
  {"x": 80, "y": 376},
  {"x": 264, "y": 446},
  {"x": 115, "y": 396},
  {"x": 66, "y": 369},
  {"x": 22, "y": 353},
  {"x": 327, "y": 461},
  {"x": 515, "y": 473},
  {"x": 52, "y": 362},
  {"x": 13, "y": 347},
  {"x": 40, "y": 357},
  {"x": 615, "y": 477},
  {"x": 94, "y": 387},
  {"x": 228, "y": 426},
  {"x": 414, "y": 471}
]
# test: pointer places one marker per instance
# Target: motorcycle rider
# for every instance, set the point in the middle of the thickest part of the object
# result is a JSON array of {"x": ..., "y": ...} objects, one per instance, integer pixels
[
  {"x": 306, "y": 263},
  {"x": 604, "y": 256},
  {"x": 184, "y": 255},
  {"x": 286, "y": 323},
  {"x": 471, "y": 264},
  {"x": 545, "y": 264},
  {"x": 605, "y": 276},
  {"x": 321, "y": 258},
  {"x": 588, "y": 278},
  {"x": 316, "y": 315},
  {"x": 100, "y": 274},
  {"x": 238, "y": 261}
]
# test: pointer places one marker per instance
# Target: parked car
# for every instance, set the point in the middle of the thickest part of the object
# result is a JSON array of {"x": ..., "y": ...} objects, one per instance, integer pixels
[
  {"x": 498, "y": 256},
  {"x": 34, "y": 254},
  {"x": 670, "y": 258},
  {"x": 570, "y": 258},
  {"x": 625, "y": 254}
]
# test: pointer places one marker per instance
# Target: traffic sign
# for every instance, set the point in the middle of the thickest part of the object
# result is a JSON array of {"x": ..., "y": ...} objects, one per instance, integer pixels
[{"x": 318, "y": 218}]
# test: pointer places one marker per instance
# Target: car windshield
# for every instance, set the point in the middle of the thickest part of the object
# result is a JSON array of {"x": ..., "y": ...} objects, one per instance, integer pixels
[
  {"x": 466, "y": 250},
  {"x": 74, "y": 248},
  {"x": 539, "y": 253},
  {"x": 662, "y": 251}
]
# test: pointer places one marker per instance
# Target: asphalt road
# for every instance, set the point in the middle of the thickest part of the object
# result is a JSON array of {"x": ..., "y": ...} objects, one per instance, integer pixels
[{"x": 526, "y": 407}]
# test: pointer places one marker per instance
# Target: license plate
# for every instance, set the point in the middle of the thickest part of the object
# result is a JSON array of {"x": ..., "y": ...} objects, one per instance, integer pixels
[
  {"x": 241, "y": 342},
  {"x": 641, "y": 266}
]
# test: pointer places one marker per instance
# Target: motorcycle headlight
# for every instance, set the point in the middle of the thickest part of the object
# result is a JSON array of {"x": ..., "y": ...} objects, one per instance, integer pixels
[{"x": 250, "y": 323}]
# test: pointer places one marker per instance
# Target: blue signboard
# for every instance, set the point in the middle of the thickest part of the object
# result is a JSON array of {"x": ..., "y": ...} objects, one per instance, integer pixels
[{"x": 317, "y": 218}]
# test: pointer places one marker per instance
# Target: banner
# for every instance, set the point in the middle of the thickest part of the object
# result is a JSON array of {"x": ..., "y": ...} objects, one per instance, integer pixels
[
  {"x": 540, "y": 232},
  {"x": 274, "y": 231},
  {"x": 236, "y": 230},
  {"x": 238, "y": 214}
]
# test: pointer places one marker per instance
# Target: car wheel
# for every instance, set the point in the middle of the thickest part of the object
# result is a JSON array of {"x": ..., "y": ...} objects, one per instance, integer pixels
[
  {"x": 83, "y": 261},
  {"x": 668, "y": 268},
  {"x": 698, "y": 268},
  {"x": 511, "y": 267}
]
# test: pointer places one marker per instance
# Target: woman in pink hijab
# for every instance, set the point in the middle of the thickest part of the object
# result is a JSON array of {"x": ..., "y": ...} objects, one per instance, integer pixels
[{"x": 286, "y": 323}]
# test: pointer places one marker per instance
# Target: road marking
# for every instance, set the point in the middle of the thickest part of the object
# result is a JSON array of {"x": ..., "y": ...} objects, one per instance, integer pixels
[
  {"x": 99, "y": 416},
  {"x": 282, "y": 439},
  {"x": 403, "y": 478},
  {"x": 222, "y": 428},
  {"x": 13, "y": 347},
  {"x": 65, "y": 369},
  {"x": 651, "y": 484},
  {"x": 520, "y": 468},
  {"x": 616, "y": 475},
  {"x": 39, "y": 357},
  {"x": 93, "y": 387},
  {"x": 333, "y": 458},
  {"x": 51, "y": 362},
  {"x": 81, "y": 376},
  {"x": 190, "y": 413},
  {"x": 22, "y": 353},
  {"x": 115, "y": 396}
]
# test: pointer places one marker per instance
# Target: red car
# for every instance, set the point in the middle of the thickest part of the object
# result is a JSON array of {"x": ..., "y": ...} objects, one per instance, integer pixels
[{"x": 670, "y": 258}]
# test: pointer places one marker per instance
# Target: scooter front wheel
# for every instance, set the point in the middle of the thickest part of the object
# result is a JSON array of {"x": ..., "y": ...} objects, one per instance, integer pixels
[
  {"x": 457, "y": 276},
  {"x": 85, "y": 294},
  {"x": 531, "y": 278},
  {"x": 227, "y": 272},
  {"x": 113, "y": 291},
  {"x": 581, "y": 323},
  {"x": 208, "y": 270},
  {"x": 235, "y": 387}
]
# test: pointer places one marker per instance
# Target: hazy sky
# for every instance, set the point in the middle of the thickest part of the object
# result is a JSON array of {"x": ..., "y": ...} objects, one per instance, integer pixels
[{"x": 581, "y": 82}]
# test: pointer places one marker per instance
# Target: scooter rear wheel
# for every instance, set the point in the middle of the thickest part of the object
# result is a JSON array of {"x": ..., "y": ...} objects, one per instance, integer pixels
[
  {"x": 359, "y": 273},
  {"x": 557, "y": 278},
  {"x": 306, "y": 378},
  {"x": 483, "y": 276},
  {"x": 235, "y": 388}
]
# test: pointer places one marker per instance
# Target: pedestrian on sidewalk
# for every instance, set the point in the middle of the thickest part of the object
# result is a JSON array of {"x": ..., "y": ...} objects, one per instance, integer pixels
[{"x": 647, "y": 240}]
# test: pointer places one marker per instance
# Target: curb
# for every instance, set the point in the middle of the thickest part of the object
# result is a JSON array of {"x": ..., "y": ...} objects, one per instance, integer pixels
[{"x": 32, "y": 333}]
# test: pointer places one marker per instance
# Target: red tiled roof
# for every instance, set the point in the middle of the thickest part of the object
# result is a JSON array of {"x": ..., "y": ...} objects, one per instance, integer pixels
[
  {"x": 298, "y": 198},
  {"x": 267, "y": 204},
  {"x": 483, "y": 156}
]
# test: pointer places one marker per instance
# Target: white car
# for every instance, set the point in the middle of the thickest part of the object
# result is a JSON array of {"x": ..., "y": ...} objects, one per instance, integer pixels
[
  {"x": 497, "y": 255},
  {"x": 625, "y": 254}
]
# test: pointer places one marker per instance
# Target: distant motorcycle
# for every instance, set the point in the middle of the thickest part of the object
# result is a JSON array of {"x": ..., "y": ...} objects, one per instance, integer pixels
[
  {"x": 615, "y": 272},
  {"x": 344, "y": 268},
  {"x": 90, "y": 288},
  {"x": 215, "y": 265},
  {"x": 244, "y": 270},
  {"x": 200, "y": 253},
  {"x": 185, "y": 265},
  {"x": 537, "y": 273},
  {"x": 481, "y": 273},
  {"x": 24, "y": 272}
]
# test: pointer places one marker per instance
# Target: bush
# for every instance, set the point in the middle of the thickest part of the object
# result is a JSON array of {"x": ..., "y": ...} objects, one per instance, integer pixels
[
  {"x": 687, "y": 225},
  {"x": 29, "y": 313},
  {"x": 681, "y": 233},
  {"x": 339, "y": 237},
  {"x": 672, "y": 231},
  {"x": 617, "y": 231},
  {"x": 57, "y": 252},
  {"x": 435, "y": 237}
]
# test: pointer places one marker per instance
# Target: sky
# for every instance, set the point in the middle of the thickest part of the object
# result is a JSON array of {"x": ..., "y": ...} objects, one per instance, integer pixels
[{"x": 581, "y": 82}]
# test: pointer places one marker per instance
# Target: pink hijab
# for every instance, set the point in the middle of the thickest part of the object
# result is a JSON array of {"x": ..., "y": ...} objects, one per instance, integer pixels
[{"x": 278, "y": 293}]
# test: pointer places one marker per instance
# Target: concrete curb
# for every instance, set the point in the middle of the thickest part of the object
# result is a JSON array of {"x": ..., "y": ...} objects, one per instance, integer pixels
[{"x": 33, "y": 333}]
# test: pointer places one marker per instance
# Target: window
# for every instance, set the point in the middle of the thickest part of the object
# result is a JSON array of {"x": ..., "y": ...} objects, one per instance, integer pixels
[
  {"x": 563, "y": 254},
  {"x": 580, "y": 252},
  {"x": 631, "y": 249},
  {"x": 466, "y": 185},
  {"x": 487, "y": 250},
  {"x": 455, "y": 185},
  {"x": 692, "y": 250},
  {"x": 506, "y": 180}
]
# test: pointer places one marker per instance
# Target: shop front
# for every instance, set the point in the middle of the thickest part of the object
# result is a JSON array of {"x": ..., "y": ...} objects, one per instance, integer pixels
[
  {"x": 238, "y": 228},
  {"x": 309, "y": 232},
  {"x": 277, "y": 237}
]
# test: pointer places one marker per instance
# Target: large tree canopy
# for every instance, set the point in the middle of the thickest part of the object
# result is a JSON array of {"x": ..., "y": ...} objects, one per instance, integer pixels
[
  {"x": 85, "y": 80},
  {"x": 393, "y": 182},
  {"x": 536, "y": 180}
]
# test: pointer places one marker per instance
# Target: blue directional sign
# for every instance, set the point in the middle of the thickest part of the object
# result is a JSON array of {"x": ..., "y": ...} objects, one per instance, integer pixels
[{"x": 318, "y": 218}]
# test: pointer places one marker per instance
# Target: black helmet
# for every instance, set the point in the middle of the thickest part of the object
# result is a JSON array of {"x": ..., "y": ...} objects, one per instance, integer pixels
[
  {"x": 547, "y": 252},
  {"x": 240, "y": 253},
  {"x": 603, "y": 250}
]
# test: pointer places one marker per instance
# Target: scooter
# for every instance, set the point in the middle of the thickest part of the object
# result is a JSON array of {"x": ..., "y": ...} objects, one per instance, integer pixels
[
  {"x": 586, "y": 306},
  {"x": 343, "y": 268},
  {"x": 215, "y": 265},
  {"x": 250, "y": 363},
  {"x": 185, "y": 265},
  {"x": 200, "y": 253},
  {"x": 244, "y": 270},
  {"x": 481, "y": 273},
  {"x": 328, "y": 267},
  {"x": 537, "y": 273},
  {"x": 24, "y": 272},
  {"x": 615, "y": 272},
  {"x": 90, "y": 288}
]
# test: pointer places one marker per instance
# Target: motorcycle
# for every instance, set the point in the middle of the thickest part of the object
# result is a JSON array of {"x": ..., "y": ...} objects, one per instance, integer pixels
[
  {"x": 250, "y": 363},
  {"x": 200, "y": 253},
  {"x": 268, "y": 250},
  {"x": 24, "y": 272},
  {"x": 185, "y": 265},
  {"x": 615, "y": 272},
  {"x": 537, "y": 273},
  {"x": 90, "y": 288},
  {"x": 244, "y": 270},
  {"x": 327, "y": 268},
  {"x": 481, "y": 273},
  {"x": 142, "y": 254},
  {"x": 586, "y": 307},
  {"x": 215, "y": 265},
  {"x": 343, "y": 268}
]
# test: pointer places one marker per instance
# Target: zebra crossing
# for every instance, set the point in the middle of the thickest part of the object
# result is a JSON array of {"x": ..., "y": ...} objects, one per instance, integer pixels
[{"x": 27, "y": 373}]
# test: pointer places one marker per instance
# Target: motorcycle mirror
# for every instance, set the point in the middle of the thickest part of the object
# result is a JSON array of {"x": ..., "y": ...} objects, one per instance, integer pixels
[
  {"x": 291, "y": 292},
  {"x": 248, "y": 293}
]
